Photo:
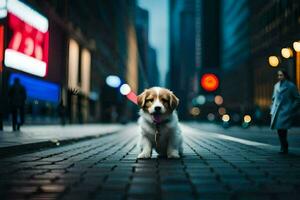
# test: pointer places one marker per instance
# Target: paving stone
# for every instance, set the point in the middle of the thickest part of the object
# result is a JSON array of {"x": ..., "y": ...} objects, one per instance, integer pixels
[
  {"x": 181, "y": 179},
  {"x": 53, "y": 188},
  {"x": 76, "y": 196},
  {"x": 215, "y": 196},
  {"x": 27, "y": 182},
  {"x": 142, "y": 180},
  {"x": 204, "y": 181},
  {"x": 145, "y": 170},
  {"x": 210, "y": 188},
  {"x": 110, "y": 196},
  {"x": 169, "y": 188},
  {"x": 253, "y": 196},
  {"x": 14, "y": 196},
  {"x": 44, "y": 196},
  {"x": 23, "y": 189},
  {"x": 178, "y": 196},
  {"x": 143, "y": 189},
  {"x": 114, "y": 187}
]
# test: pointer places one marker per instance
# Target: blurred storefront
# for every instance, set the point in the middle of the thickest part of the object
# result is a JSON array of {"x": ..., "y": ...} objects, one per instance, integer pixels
[
  {"x": 79, "y": 69},
  {"x": 70, "y": 48},
  {"x": 25, "y": 55}
]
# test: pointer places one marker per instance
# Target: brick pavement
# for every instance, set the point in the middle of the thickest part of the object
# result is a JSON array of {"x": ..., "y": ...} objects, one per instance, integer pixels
[{"x": 106, "y": 168}]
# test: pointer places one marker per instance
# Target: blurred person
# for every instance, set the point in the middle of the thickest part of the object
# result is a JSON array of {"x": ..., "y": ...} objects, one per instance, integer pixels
[
  {"x": 285, "y": 100},
  {"x": 113, "y": 114},
  {"x": 2, "y": 110},
  {"x": 1, "y": 114},
  {"x": 17, "y": 97},
  {"x": 62, "y": 112},
  {"x": 258, "y": 115}
]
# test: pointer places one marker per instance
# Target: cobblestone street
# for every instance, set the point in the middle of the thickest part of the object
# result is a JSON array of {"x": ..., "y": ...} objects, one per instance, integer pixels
[{"x": 107, "y": 168}]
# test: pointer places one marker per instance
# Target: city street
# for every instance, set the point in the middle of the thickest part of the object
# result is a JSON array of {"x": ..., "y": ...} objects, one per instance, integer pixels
[
  {"x": 214, "y": 166},
  {"x": 76, "y": 76}
]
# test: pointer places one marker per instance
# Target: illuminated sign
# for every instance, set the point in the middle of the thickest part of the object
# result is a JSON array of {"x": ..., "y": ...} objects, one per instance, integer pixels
[
  {"x": 29, "y": 42},
  {"x": 37, "y": 89},
  {"x": 209, "y": 82},
  {"x": 1, "y": 47}
]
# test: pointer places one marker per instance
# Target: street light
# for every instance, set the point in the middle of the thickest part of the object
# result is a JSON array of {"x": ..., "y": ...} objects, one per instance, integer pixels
[
  {"x": 247, "y": 119},
  {"x": 273, "y": 61},
  {"x": 226, "y": 118},
  {"x": 286, "y": 52},
  {"x": 296, "y": 46}
]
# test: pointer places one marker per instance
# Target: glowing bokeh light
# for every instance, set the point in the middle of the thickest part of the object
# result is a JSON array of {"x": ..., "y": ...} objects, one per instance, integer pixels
[
  {"x": 113, "y": 81},
  {"x": 195, "y": 111},
  {"x": 226, "y": 118},
  {"x": 247, "y": 118},
  {"x": 286, "y": 52},
  {"x": 296, "y": 46},
  {"x": 211, "y": 117},
  {"x": 218, "y": 100},
  {"x": 273, "y": 61},
  {"x": 201, "y": 100},
  {"x": 125, "y": 89},
  {"x": 209, "y": 82},
  {"x": 222, "y": 111}
]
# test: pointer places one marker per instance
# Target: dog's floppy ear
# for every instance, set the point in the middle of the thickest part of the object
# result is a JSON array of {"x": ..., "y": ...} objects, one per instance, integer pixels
[
  {"x": 142, "y": 98},
  {"x": 174, "y": 101}
]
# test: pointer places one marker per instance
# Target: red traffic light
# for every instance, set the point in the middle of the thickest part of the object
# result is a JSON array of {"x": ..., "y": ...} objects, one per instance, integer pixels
[{"x": 209, "y": 82}]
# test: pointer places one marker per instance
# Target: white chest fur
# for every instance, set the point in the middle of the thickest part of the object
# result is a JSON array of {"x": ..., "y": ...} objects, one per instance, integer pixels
[{"x": 169, "y": 135}]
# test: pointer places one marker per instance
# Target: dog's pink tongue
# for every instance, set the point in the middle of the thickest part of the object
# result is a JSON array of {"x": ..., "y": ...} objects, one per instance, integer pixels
[{"x": 157, "y": 118}]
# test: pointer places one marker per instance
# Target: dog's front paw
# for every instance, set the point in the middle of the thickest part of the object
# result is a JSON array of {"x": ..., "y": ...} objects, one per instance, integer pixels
[
  {"x": 173, "y": 154},
  {"x": 144, "y": 155}
]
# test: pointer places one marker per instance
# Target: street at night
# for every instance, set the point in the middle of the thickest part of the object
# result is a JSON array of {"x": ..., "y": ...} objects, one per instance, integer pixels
[{"x": 149, "y": 99}]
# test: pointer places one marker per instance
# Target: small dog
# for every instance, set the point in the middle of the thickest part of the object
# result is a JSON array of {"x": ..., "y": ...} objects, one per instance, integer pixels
[{"x": 158, "y": 122}]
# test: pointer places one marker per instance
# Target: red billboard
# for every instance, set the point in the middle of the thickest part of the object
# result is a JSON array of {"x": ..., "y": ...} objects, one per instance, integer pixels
[{"x": 28, "y": 40}]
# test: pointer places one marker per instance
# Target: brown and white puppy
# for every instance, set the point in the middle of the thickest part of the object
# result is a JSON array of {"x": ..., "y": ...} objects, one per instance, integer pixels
[{"x": 158, "y": 114}]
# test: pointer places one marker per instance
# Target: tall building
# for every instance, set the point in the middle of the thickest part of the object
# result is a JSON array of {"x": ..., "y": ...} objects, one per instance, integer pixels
[
  {"x": 210, "y": 37},
  {"x": 152, "y": 71},
  {"x": 148, "y": 69},
  {"x": 235, "y": 55},
  {"x": 182, "y": 52},
  {"x": 142, "y": 31},
  {"x": 194, "y": 47}
]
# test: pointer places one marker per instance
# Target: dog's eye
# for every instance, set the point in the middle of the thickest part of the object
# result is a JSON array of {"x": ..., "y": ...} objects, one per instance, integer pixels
[
  {"x": 149, "y": 100},
  {"x": 165, "y": 100}
]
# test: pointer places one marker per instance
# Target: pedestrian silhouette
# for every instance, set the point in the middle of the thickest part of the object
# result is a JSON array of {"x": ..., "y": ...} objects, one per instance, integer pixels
[
  {"x": 62, "y": 112},
  {"x": 17, "y": 96},
  {"x": 285, "y": 100},
  {"x": 1, "y": 113}
]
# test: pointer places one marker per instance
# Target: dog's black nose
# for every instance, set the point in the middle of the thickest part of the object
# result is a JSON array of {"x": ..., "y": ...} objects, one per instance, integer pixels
[{"x": 157, "y": 108}]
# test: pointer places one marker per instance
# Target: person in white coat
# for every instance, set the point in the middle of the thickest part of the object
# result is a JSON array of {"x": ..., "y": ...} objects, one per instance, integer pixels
[{"x": 285, "y": 101}]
